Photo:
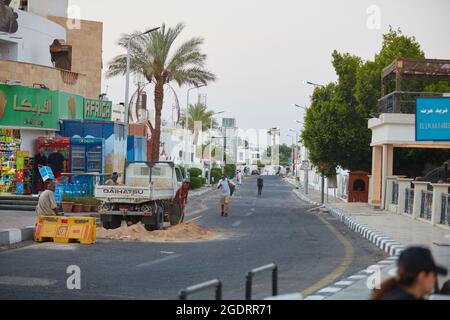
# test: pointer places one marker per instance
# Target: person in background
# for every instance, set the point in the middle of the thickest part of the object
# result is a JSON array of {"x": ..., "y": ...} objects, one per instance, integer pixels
[
  {"x": 56, "y": 162},
  {"x": 260, "y": 185},
  {"x": 225, "y": 193},
  {"x": 40, "y": 160},
  {"x": 239, "y": 177},
  {"x": 416, "y": 277},
  {"x": 47, "y": 205},
  {"x": 112, "y": 181},
  {"x": 181, "y": 198}
]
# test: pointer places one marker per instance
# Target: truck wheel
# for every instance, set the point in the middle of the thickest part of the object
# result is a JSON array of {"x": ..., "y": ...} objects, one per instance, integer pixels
[
  {"x": 115, "y": 223},
  {"x": 159, "y": 221},
  {"x": 174, "y": 215}
]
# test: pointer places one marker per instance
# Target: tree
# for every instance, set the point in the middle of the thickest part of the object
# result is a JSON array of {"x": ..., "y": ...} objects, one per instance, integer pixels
[
  {"x": 336, "y": 131},
  {"x": 151, "y": 56},
  {"x": 198, "y": 112},
  {"x": 284, "y": 152}
]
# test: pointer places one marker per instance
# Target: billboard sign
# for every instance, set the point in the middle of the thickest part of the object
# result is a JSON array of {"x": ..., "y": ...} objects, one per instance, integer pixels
[{"x": 433, "y": 119}]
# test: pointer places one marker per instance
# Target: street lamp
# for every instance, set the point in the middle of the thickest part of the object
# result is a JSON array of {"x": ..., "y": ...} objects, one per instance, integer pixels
[
  {"x": 186, "y": 127},
  {"x": 323, "y": 177},
  {"x": 313, "y": 84},
  {"x": 298, "y": 106},
  {"x": 210, "y": 144},
  {"x": 127, "y": 85}
]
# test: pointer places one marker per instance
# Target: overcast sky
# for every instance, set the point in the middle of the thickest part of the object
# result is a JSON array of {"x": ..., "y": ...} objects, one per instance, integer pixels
[{"x": 262, "y": 50}]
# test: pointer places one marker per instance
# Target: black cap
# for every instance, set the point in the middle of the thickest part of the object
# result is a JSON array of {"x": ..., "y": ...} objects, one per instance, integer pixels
[{"x": 417, "y": 259}]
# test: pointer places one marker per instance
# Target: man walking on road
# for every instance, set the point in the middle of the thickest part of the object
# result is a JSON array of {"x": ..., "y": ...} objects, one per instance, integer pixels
[
  {"x": 225, "y": 193},
  {"x": 260, "y": 184}
]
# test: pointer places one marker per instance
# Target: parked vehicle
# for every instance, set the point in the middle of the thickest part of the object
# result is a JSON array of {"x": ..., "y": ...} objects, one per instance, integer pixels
[{"x": 147, "y": 196}]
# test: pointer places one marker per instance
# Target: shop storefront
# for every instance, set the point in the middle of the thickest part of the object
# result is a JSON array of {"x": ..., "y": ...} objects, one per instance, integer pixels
[{"x": 29, "y": 119}]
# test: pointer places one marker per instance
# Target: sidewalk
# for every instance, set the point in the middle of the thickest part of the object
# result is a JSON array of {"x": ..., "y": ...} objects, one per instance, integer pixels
[{"x": 389, "y": 231}]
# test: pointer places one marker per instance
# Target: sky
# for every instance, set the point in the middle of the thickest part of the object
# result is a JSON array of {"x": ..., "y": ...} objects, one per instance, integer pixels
[{"x": 262, "y": 50}]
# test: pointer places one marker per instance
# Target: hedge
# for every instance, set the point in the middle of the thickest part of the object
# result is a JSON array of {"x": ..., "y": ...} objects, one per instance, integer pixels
[
  {"x": 195, "y": 172},
  {"x": 216, "y": 173},
  {"x": 230, "y": 170},
  {"x": 197, "y": 182}
]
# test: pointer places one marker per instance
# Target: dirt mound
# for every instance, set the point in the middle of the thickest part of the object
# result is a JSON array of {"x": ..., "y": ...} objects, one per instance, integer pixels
[{"x": 184, "y": 232}]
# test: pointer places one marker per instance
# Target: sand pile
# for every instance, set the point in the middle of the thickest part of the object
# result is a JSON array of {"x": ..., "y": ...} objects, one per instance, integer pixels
[{"x": 184, "y": 232}]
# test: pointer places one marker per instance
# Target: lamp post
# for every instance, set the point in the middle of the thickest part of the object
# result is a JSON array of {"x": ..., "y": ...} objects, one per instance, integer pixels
[
  {"x": 127, "y": 87},
  {"x": 127, "y": 79},
  {"x": 306, "y": 178},
  {"x": 185, "y": 161},
  {"x": 323, "y": 177},
  {"x": 210, "y": 144},
  {"x": 292, "y": 155},
  {"x": 294, "y": 149}
]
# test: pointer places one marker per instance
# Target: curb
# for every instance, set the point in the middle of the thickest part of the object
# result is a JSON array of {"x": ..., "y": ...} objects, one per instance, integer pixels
[
  {"x": 382, "y": 241},
  {"x": 13, "y": 236}
]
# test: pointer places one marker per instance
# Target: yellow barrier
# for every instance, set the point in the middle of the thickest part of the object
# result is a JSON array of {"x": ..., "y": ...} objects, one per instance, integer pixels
[{"x": 66, "y": 229}]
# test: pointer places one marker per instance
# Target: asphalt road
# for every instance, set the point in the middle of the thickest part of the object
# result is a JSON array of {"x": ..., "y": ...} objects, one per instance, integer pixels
[{"x": 311, "y": 251}]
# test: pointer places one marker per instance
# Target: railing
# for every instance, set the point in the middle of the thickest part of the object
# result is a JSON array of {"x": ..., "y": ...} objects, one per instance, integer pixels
[
  {"x": 251, "y": 273},
  {"x": 426, "y": 204},
  {"x": 394, "y": 192},
  {"x": 445, "y": 209},
  {"x": 202, "y": 286},
  {"x": 406, "y": 100},
  {"x": 409, "y": 200}
]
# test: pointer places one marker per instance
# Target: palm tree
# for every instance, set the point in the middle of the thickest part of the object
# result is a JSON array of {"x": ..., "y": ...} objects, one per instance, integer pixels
[
  {"x": 151, "y": 56},
  {"x": 198, "y": 112}
]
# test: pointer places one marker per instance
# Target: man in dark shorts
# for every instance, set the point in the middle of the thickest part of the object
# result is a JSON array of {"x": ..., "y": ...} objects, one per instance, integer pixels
[{"x": 260, "y": 184}]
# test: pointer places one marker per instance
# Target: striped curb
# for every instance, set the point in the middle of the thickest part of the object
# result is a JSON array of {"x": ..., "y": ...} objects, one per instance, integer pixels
[
  {"x": 13, "y": 236},
  {"x": 382, "y": 241}
]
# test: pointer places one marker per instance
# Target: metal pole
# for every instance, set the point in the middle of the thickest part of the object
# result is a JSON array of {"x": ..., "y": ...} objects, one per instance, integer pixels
[
  {"x": 127, "y": 96},
  {"x": 210, "y": 152},
  {"x": 323, "y": 189}
]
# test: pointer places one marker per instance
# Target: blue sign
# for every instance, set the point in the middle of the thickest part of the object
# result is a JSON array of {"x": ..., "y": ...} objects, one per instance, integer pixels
[
  {"x": 433, "y": 119},
  {"x": 46, "y": 173}
]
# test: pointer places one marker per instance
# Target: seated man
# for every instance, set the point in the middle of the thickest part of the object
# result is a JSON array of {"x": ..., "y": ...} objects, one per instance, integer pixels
[
  {"x": 46, "y": 205},
  {"x": 113, "y": 180}
]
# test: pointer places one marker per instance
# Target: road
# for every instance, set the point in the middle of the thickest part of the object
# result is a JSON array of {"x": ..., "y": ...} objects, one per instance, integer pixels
[{"x": 311, "y": 251}]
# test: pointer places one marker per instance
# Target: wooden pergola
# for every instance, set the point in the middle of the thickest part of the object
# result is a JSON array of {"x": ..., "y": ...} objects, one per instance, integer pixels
[{"x": 403, "y": 68}]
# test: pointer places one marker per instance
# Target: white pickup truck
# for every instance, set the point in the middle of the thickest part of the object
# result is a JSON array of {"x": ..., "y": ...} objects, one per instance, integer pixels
[{"x": 147, "y": 196}]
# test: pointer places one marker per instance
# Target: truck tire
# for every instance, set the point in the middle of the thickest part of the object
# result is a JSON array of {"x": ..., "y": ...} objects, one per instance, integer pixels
[
  {"x": 174, "y": 215},
  {"x": 115, "y": 223},
  {"x": 159, "y": 220}
]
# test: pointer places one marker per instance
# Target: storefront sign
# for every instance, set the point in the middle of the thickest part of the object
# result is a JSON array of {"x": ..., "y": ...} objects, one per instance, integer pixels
[
  {"x": 70, "y": 106},
  {"x": 433, "y": 119},
  {"x": 97, "y": 109},
  {"x": 28, "y": 107}
]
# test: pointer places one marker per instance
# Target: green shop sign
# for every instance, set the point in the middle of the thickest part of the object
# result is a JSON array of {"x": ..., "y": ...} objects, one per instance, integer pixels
[
  {"x": 97, "y": 109},
  {"x": 70, "y": 106},
  {"x": 28, "y": 107}
]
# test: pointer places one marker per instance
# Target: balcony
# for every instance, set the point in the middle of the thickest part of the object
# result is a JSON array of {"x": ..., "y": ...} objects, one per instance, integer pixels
[{"x": 403, "y": 101}]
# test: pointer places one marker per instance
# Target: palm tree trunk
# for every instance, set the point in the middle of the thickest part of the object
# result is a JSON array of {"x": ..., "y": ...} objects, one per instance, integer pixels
[{"x": 156, "y": 137}]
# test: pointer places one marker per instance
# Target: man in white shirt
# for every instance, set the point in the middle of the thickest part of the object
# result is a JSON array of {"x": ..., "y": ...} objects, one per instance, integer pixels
[
  {"x": 225, "y": 193},
  {"x": 46, "y": 205},
  {"x": 239, "y": 177}
]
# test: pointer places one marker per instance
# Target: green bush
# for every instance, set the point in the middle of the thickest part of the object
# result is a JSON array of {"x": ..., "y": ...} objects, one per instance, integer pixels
[
  {"x": 195, "y": 172},
  {"x": 216, "y": 173},
  {"x": 230, "y": 170},
  {"x": 196, "y": 182}
]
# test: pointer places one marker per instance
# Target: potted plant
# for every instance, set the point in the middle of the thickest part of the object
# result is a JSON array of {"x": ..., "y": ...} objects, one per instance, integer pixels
[
  {"x": 86, "y": 204},
  {"x": 77, "y": 206},
  {"x": 94, "y": 204},
  {"x": 67, "y": 203}
]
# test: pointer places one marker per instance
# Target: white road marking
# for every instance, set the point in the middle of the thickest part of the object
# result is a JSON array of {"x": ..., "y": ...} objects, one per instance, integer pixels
[
  {"x": 237, "y": 223},
  {"x": 167, "y": 252},
  {"x": 252, "y": 209},
  {"x": 196, "y": 218},
  {"x": 157, "y": 261},
  {"x": 343, "y": 283},
  {"x": 249, "y": 214},
  {"x": 330, "y": 290},
  {"x": 27, "y": 281}
]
